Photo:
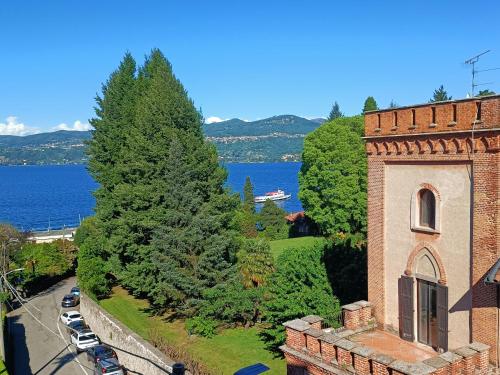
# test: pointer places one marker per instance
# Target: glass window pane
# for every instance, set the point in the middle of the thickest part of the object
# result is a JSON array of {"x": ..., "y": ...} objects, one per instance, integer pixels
[{"x": 427, "y": 204}]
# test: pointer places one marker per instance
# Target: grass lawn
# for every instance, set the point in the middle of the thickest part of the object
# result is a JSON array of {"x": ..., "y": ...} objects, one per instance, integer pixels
[
  {"x": 3, "y": 370},
  {"x": 227, "y": 352},
  {"x": 278, "y": 246}
]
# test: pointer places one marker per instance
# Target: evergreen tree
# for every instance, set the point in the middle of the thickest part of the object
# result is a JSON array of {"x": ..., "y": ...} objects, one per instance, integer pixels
[
  {"x": 299, "y": 287},
  {"x": 272, "y": 221},
  {"x": 162, "y": 207},
  {"x": 335, "y": 112},
  {"x": 255, "y": 262},
  {"x": 247, "y": 217},
  {"x": 393, "y": 104},
  {"x": 248, "y": 196},
  {"x": 370, "y": 104},
  {"x": 115, "y": 115},
  {"x": 485, "y": 92},
  {"x": 440, "y": 95}
]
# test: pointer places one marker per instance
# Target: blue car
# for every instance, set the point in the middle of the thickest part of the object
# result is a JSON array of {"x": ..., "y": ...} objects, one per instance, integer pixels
[{"x": 75, "y": 291}]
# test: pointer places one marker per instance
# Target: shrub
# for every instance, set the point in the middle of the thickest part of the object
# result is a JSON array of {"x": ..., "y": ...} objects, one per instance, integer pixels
[
  {"x": 231, "y": 303},
  {"x": 93, "y": 268},
  {"x": 201, "y": 326},
  {"x": 299, "y": 287}
]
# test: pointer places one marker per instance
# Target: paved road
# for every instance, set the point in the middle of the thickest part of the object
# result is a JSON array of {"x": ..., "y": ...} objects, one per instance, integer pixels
[{"x": 38, "y": 351}]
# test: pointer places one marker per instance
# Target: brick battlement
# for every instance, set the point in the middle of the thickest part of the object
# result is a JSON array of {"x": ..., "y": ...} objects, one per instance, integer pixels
[
  {"x": 312, "y": 350},
  {"x": 439, "y": 117}
]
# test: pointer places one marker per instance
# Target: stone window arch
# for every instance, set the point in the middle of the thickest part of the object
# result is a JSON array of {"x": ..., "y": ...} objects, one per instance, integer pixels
[
  {"x": 424, "y": 261},
  {"x": 426, "y": 209}
]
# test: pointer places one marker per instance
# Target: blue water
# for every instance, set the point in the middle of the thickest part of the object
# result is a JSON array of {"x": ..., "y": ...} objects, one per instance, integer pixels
[{"x": 57, "y": 196}]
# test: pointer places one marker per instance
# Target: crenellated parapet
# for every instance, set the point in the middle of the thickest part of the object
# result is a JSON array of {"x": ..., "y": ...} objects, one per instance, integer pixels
[
  {"x": 313, "y": 349},
  {"x": 440, "y": 117}
]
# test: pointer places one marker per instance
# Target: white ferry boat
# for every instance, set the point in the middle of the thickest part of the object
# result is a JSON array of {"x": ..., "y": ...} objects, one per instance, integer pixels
[{"x": 272, "y": 196}]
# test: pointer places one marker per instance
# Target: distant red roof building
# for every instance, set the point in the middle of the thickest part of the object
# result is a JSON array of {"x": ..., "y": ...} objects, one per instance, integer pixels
[{"x": 294, "y": 216}]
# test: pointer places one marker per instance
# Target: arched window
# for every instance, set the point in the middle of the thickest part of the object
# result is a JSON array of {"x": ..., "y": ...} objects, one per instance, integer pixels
[{"x": 427, "y": 208}]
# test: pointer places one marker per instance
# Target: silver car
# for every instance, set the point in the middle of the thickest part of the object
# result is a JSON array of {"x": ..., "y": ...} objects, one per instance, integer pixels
[
  {"x": 109, "y": 366},
  {"x": 84, "y": 340}
]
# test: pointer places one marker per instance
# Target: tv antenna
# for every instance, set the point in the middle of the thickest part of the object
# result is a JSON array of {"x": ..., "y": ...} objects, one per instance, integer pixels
[{"x": 472, "y": 61}]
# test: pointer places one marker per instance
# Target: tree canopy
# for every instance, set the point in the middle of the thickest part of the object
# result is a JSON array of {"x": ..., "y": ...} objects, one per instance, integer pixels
[
  {"x": 393, "y": 104},
  {"x": 272, "y": 221},
  {"x": 299, "y": 287},
  {"x": 370, "y": 104},
  {"x": 248, "y": 196},
  {"x": 485, "y": 92},
  {"x": 333, "y": 176},
  {"x": 440, "y": 95},
  {"x": 335, "y": 112},
  {"x": 255, "y": 262},
  {"x": 164, "y": 222}
]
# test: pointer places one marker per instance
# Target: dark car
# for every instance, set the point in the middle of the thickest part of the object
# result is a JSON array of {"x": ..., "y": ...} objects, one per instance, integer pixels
[
  {"x": 109, "y": 366},
  {"x": 70, "y": 300},
  {"x": 78, "y": 326},
  {"x": 75, "y": 291},
  {"x": 100, "y": 352}
]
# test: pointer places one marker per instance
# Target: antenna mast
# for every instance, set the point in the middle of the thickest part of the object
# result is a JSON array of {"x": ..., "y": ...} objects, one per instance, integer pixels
[{"x": 472, "y": 61}]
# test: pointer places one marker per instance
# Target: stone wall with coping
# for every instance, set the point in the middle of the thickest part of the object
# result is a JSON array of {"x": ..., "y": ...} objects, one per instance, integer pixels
[
  {"x": 318, "y": 351},
  {"x": 135, "y": 353}
]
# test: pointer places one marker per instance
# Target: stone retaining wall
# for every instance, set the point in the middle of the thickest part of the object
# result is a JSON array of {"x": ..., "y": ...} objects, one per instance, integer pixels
[{"x": 135, "y": 353}]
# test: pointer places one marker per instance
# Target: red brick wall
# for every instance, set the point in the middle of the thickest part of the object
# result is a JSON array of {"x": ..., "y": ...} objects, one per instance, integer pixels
[
  {"x": 295, "y": 339},
  {"x": 485, "y": 251},
  {"x": 379, "y": 368},
  {"x": 327, "y": 351},
  {"x": 344, "y": 357},
  {"x": 362, "y": 365},
  {"x": 312, "y": 344},
  {"x": 466, "y": 114},
  {"x": 376, "y": 290}
]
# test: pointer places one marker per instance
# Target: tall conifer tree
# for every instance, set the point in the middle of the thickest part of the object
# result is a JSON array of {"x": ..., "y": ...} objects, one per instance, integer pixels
[
  {"x": 248, "y": 196},
  {"x": 370, "y": 104},
  {"x": 115, "y": 114},
  {"x": 171, "y": 230},
  {"x": 248, "y": 220},
  {"x": 335, "y": 112}
]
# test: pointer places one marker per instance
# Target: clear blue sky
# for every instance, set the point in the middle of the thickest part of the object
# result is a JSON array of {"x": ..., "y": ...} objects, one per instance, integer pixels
[{"x": 246, "y": 59}]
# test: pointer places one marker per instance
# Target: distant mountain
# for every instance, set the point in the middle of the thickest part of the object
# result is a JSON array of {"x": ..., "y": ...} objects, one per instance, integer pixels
[
  {"x": 278, "y": 138},
  {"x": 61, "y": 147},
  {"x": 286, "y": 124}
]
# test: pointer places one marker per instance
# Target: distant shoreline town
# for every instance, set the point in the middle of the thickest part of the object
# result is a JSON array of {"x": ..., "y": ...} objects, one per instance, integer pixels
[{"x": 275, "y": 139}]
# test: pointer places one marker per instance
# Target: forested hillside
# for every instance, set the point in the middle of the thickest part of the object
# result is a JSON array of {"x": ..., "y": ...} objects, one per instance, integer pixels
[
  {"x": 278, "y": 138},
  {"x": 61, "y": 147}
]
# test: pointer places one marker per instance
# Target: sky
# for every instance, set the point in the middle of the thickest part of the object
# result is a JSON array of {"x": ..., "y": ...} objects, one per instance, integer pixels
[{"x": 244, "y": 59}]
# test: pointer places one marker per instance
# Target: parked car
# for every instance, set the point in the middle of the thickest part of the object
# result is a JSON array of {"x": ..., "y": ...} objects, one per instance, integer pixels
[
  {"x": 84, "y": 340},
  {"x": 77, "y": 325},
  {"x": 70, "y": 316},
  {"x": 75, "y": 290},
  {"x": 100, "y": 352},
  {"x": 109, "y": 366},
  {"x": 70, "y": 300}
]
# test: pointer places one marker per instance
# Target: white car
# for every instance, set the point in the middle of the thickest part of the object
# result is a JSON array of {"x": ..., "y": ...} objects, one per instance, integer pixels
[
  {"x": 84, "y": 340},
  {"x": 70, "y": 316}
]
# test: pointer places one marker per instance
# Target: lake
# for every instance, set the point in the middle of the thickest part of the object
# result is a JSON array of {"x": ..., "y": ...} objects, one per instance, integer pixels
[{"x": 57, "y": 196}]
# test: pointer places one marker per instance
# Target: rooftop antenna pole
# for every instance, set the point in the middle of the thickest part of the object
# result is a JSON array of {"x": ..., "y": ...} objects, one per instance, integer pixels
[{"x": 472, "y": 61}]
